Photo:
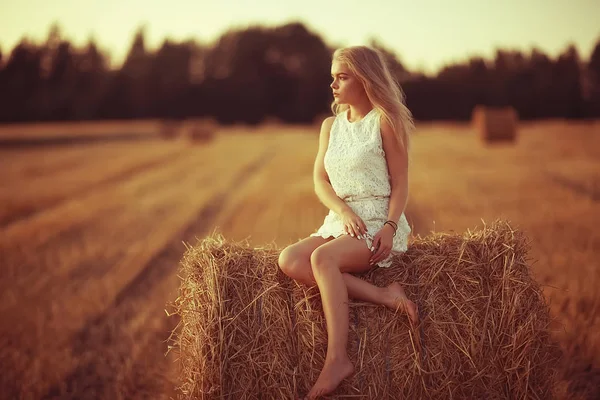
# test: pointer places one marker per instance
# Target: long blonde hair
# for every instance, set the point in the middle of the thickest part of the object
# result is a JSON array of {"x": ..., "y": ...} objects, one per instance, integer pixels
[{"x": 383, "y": 91}]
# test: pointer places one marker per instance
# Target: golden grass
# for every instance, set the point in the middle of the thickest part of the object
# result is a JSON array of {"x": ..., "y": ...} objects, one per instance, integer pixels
[
  {"x": 248, "y": 331},
  {"x": 80, "y": 129},
  {"x": 276, "y": 203},
  {"x": 73, "y": 171},
  {"x": 71, "y": 263},
  {"x": 60, "y": 262}
]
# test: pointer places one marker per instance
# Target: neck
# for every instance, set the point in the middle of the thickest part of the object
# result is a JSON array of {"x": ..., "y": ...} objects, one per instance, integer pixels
[{"x": 358, "y": 111}]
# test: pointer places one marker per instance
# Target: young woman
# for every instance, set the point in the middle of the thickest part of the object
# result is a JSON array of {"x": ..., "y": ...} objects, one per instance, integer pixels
[{"x": 361, "y": 175}]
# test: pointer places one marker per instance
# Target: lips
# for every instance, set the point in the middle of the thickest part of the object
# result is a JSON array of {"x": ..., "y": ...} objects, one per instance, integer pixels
[{"x": 335, "y": 94}]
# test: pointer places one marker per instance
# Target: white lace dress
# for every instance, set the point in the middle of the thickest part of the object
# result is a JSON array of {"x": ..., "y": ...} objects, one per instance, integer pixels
[{"x": 357, "y": 169}]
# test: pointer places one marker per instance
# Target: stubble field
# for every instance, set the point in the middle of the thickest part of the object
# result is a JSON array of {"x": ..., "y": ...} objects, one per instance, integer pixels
[{"x": 91, "y": 233}]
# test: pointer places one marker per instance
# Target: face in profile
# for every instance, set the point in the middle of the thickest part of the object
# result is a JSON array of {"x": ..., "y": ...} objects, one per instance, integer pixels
[{"x": 346, "y": 87}]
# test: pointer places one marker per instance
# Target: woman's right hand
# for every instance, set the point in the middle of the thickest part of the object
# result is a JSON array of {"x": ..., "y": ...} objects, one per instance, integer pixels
[{"x": 353, "y": 224}]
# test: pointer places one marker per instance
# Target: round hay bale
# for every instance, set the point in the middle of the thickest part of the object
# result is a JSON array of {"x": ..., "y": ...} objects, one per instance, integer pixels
[
  {"x": 201, "y": 130},
  {"x": 247, "y": 331},
  {"x": 170, "y": 129},
  {"x": 495, "y": 124},
  {"x": 201, "y": 134}
]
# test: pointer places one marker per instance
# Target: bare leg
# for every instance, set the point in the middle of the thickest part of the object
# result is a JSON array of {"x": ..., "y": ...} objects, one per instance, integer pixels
[
  {"x": 334, "y": 296},
  {"x": 332, "y": 266},
  {"x": 392, "y": 296}
]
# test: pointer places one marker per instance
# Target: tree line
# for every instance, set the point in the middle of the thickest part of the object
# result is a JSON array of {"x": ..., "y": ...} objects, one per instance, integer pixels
[{"x": 248, "y": 75}]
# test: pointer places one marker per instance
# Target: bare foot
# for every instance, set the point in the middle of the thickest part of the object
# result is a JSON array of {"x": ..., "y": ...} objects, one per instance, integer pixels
[
  {"x": 332, "y": 374},
  {"x": 397, "y": 299}
]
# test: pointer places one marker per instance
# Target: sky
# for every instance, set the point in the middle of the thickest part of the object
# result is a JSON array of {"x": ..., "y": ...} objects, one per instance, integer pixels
[{"x": 425, "y": 35}]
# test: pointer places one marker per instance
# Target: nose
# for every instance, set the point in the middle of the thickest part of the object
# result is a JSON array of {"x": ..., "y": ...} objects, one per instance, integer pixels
[{"x": 333, "y": 85}]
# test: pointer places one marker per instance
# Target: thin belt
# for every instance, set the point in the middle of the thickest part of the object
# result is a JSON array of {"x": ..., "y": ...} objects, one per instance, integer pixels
[{"x": 365, "y": 198}]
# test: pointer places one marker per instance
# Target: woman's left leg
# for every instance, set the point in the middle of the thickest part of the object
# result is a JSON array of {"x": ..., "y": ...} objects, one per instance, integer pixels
[{"x": 329, "y": 261}]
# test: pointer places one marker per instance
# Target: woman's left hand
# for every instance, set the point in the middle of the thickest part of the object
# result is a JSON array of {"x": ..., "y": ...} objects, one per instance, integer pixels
[{"x": 382, "y": 244}]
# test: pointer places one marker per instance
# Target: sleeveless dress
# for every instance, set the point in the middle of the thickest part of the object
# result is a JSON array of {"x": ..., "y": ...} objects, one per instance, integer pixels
[{"x": 357, "y": 169}]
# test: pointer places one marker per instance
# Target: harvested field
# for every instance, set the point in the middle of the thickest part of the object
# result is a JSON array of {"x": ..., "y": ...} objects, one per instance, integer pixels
[{"x": 92, "y": 233}]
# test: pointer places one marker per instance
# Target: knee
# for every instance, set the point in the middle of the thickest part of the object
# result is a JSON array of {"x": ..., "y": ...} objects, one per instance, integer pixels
[
  {"x": 321, "y": 259},
  {"x": 289, "y": 261}
]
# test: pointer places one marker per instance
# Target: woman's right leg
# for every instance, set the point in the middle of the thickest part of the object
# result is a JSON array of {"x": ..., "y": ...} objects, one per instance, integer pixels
[{"x": 294, "y": 261}]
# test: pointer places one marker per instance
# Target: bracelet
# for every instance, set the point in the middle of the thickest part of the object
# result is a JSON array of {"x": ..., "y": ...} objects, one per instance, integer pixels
[{"x": 393, "y": 225}]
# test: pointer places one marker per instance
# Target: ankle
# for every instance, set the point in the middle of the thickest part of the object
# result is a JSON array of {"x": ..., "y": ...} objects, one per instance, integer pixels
[
  {"x": 388, "y": 297},
  {"x": 337, "y": 358}
]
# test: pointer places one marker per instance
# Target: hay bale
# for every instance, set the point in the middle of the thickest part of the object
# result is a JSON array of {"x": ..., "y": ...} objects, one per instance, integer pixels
[
  {"x": 248, "y": 332},
  {"x": 201, "y": 134},
  {"x": 495, "y": 124},
  {"x": 201, "y": 130},
  {"x": 170, "y": 129}
]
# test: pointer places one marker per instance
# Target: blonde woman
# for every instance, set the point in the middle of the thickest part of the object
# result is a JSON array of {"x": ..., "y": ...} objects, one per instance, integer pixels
[{"x": 361, "y": 175}]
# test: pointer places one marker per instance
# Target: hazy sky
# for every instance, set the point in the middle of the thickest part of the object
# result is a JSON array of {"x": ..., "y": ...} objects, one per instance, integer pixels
[{"x": 425, "y": 34}]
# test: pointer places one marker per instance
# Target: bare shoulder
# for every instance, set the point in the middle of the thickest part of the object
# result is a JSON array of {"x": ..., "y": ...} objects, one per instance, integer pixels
[
  {"x": 326, "y": 125},
  {"x": 325, "y": 129},
  {"x": 387, "y": 132},
  {"x": 319, "y": 168},
  {"x": 391, "y": 145},
  {"x": 389, "y": 137}
]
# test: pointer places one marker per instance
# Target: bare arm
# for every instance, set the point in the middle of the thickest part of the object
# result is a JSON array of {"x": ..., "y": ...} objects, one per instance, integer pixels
[
  {"x": 397, "y": 161},
  {"x": 323, "y": 188}
]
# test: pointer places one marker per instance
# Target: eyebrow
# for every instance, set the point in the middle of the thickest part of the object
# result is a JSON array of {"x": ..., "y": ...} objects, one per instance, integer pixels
[{"x": 339, "y": 73}]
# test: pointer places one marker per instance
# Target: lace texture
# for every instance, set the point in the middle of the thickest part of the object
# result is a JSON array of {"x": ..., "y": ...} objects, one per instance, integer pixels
[{"x": 357, "y": 169}]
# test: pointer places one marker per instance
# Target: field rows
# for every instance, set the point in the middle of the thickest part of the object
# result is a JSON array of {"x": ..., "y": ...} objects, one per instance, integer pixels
[
  {"x": 27, "y": 191},
  {"x": 96, "y": 270},
  {"x": 91, "y": 235}
]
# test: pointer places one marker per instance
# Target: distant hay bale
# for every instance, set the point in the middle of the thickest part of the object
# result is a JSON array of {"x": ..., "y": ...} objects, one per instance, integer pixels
[
  {"x": 170, "y": 129},
  {"x": 247, "y": 331},
  {"x": 201, "y": 134},
  {"x": 495, "y": 125},
  {"x": 201, "y": 130}
]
